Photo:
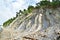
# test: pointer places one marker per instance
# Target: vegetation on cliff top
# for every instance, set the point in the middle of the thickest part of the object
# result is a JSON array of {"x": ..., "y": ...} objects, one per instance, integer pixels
[
  {"x": 41, "y": 4},
  {"x": 9, "y": 21}
]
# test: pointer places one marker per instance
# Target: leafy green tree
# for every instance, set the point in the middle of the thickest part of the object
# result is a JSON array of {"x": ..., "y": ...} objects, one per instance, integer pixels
[
  {"x": 17, "y": 14},
  {"x": 25, "y": 12},
  {"x": 43, "y": 3},
  {"x": 20, "y": 11},
  {"x": 37, "y": 5},
  {"x": 30, "y": 8},
  {"x": 55, "y": 3}
]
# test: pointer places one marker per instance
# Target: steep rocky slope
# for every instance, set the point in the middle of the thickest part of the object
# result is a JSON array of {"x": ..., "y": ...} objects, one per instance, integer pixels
[{"x": 41, "y": 24}]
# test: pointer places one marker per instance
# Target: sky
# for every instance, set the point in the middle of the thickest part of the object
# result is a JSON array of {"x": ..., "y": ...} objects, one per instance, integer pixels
[{"x": 8, "y": 8}]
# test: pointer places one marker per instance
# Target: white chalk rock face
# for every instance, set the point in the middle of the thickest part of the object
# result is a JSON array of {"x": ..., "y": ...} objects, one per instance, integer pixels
[{"x": 41, "y": 24}]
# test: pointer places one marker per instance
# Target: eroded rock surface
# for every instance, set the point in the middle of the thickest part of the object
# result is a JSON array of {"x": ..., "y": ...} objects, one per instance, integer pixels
[{"x": 41, "y": 24}]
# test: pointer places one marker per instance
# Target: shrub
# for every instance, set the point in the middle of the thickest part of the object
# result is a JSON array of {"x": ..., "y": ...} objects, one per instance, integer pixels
[
  {"x": 9, "y": 21},
  {"x": 25, "y": 12},
  {"x": 30, "y": 8}
]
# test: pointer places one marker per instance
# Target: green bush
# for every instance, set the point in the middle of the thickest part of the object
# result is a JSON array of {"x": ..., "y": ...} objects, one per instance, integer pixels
[
  {"x": 25, "y": 12},
  {"x": 30, "y": 8},
  {"x": 17, "y": 14},
  {"x": 47, "y": 4},
  {"x": 55, "y": 4},
  {"x": 9, "y": 21},
  {"x": 43, "y": 3}
]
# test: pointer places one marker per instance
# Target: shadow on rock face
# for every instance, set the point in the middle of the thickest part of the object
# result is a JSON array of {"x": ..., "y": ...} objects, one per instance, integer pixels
[
  {"x": 58, "y": 38},
  {"x": 30, "y": 38}
]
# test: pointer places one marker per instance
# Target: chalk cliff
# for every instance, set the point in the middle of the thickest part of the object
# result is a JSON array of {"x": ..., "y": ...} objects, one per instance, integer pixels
[{"x": 40, "y": 24}]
